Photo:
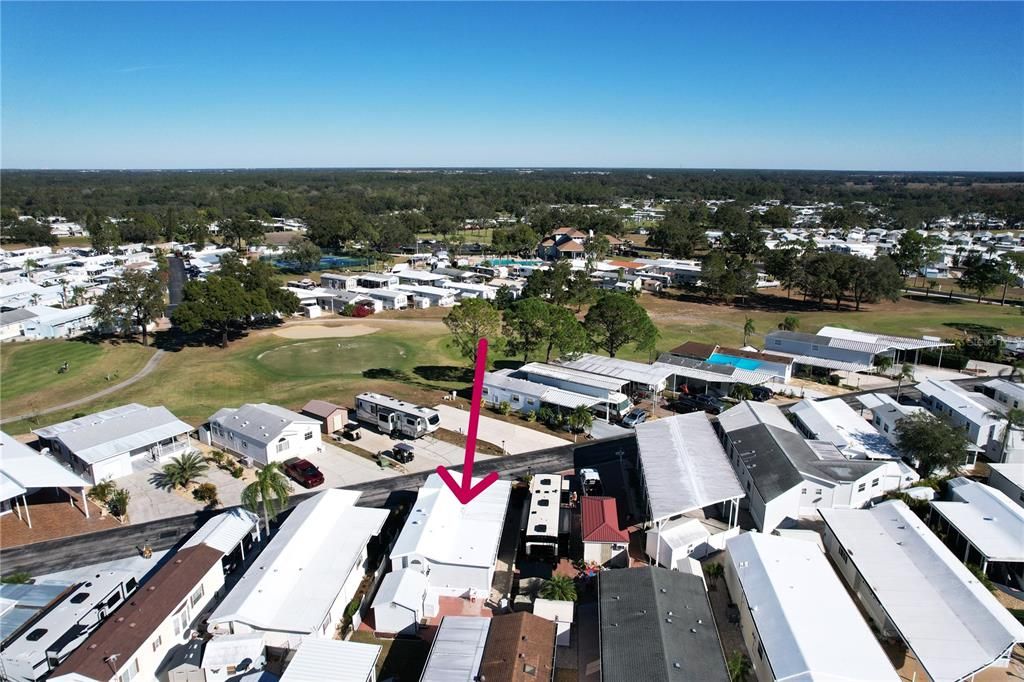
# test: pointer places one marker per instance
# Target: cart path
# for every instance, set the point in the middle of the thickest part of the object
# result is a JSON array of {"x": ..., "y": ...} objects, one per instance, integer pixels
[{"x": 141, "y": 374}]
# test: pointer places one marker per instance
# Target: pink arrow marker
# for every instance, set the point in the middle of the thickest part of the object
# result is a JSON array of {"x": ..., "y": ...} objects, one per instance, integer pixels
[{"x": 467, "y": 491}]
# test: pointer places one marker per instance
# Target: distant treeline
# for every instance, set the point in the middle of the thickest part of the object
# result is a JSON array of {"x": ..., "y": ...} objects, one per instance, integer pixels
[{"x": 444, "y": 198}]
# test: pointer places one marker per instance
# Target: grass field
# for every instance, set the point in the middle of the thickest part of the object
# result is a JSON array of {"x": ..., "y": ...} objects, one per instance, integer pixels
[
  {"x": 29, "y": 379},
  {"x": 410, "y": 357}
]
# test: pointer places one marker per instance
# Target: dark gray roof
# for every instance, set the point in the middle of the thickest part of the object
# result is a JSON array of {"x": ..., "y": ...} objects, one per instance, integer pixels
[
  {"x": 690, "y": 363},
  {"x": 16, "y": 315},
  {"x": 763, "y": 451},
  {"x": 657, "y": 626}
]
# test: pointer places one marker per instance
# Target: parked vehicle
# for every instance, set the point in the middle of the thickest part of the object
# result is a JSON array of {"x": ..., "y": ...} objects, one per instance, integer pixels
[
  {"x": 396, "y": 417},
  {"x": 697, "y": 403},
  {"x": 761, "y": 393},
  {"x": 634, "y": 418},
  {"x": 303, "y": 472},
  {"x": 402, "y": 453},
  {"x": 590, "y": 482},
  {"x": 352, "y": 431}
]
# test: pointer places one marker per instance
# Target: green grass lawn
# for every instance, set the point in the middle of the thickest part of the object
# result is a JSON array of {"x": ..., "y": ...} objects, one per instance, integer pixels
[
  {"x": 412, "y": 359},
  {"x": 30, "y": 380}
]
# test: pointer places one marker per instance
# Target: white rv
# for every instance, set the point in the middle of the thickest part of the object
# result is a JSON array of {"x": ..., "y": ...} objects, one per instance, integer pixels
[{"x": 396, "y": 417}]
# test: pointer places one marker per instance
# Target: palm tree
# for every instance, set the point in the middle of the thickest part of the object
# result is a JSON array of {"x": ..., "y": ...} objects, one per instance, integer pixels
[
  {"x": 741, "y": 392},
  {"x": 748, "y": 329},
  {"x": 790, "y": 323},
  {"x": 268, "y": 493},
  {"x": 181, "y": 471},
  {"x": 559, "y": 588},
  {"x": 714, "y": 571},
  {"x": 906, "y": 372},
  {"x": 580, "y": 419},
  {"x": 102, "y": 491},
  {"x": 118, "y": 503},
  {"x": 738, "y": 665}
]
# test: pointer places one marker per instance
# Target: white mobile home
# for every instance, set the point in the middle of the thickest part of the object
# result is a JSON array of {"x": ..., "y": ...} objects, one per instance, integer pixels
[
  {"x": 609, "y": 390},
  {"x": 112, "y": 443},
  {"x": 439, "y": 297},
  {"x": 914, "y": 588},
  {"x": 453, "y": 544},
  {"x": 782, "y": 586},
  {"x": 301, "y": 583},
  {"x": 329, "y": 280},
  {"x": 375, "y": 281},
  {"x": 468, "y": 290},
  {"x": 389, "y": 298},
  {"x": 264, "y": 433}
]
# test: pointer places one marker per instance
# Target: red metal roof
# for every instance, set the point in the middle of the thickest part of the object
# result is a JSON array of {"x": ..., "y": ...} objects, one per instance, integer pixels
[{"x": 601, "y": 520}]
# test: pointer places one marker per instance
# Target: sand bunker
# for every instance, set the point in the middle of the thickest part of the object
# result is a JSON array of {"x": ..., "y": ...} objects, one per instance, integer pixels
[{"x": 319, "y": 331}]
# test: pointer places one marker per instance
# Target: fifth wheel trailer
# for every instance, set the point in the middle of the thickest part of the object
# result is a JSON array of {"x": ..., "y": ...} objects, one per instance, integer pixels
[{"x": 396, "y": 417}]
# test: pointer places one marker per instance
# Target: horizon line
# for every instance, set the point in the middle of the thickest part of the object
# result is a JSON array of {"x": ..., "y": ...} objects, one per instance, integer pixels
[{"x": 398, "y": 168}]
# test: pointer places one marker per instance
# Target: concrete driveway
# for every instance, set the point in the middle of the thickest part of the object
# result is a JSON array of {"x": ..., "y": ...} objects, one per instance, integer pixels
[
  {"x": 516, "y": 439},
  {"x": 430, "y": 452}
]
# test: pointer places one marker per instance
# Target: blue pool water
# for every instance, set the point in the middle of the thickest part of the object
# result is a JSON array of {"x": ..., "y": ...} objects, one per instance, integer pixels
[
  {"x": 742, "y": 363},
  {"x": 513, "y": 261},
  {"x": 328, "y": 262}
]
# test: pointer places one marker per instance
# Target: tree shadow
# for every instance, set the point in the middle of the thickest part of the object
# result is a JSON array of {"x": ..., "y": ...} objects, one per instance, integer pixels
[
  {"x": 507, "y": 364},
  {"x": 161, "y": 481},
  {"x": 446, "y": 373},
  {"x": 935, "y": 300},
  {"x": 974, "y": 328},
  {"x": 388, "y": 374}
]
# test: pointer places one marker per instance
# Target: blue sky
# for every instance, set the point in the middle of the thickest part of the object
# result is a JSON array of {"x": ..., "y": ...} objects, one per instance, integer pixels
[{"x": 917, "y": 86}]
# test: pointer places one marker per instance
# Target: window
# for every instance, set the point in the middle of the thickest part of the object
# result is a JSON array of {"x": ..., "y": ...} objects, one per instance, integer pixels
[
  {"x": 531, "y": 401},
  {"x": 197, "y": 595},
  {"x": 874, "y": 483},
  {"x": 803, "y": 491},
  {"x": 309, "y": 435},
  {"x": 283, "y": 445},
  {"x": 862, "y": 487},
  {"x": 181, "y": 621},
  {"x": 543, "y": 503},
  {"x": 129, "y": 674},
  {"x": 36, "y": 635},
  {"x": 114, "y": 598},
  {"x": 410, "y": 421},
  {"x": 244, "y": 445},
  {"x": 131, "y": 585},
  {"x": 886, "y": 428},
  {"x": 157, "y": 642}
]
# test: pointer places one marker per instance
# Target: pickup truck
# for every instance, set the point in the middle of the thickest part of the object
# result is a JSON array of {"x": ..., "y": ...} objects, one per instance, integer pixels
[{"x": 303, "y": 472}]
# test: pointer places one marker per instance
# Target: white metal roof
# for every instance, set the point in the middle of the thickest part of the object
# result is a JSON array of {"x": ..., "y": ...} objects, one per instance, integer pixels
[
  {"x": 635, "y": 372},
  {"x": 569, "y": 399},
  {"x": 542, "y": 392},
  {"x": 808, "y": 624},
  {"x": 976, "y": 407},
  {"x": 404, "y": 587},
  {"x": 225, "y": 650},
  {"x": 31, "y": 469},
  {"x": 900, "y": 342},
  {"x": 684, "y": 465},
  {"x": 444, "y": 530},
  {"x": 1010, "y": 388},
  {"x": 1014, "y": 473},
  {"x": 224, "y": 531},
  {"x": 824, "y": 363},
  {"x": 9, "y": 488},
  {"x": 991, "y": 521},
  {"x": 751, "y": 413},
  {"x": 834, "y": 421},
  {"x": 457, "y": 650},
  {"x": 565, "y": 373},
  {"x": 260, "y": 422},
  {"x": 330, "y": 660},
  {"x": 951, "y": 622},
  {"x": 107, "y": 434},
  {"x": 306, "y": 564}
]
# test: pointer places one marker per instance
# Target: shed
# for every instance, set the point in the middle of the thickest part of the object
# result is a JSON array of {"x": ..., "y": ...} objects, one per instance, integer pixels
[
  {"x": 331, "y": 417},
  {"x": 398, "y": 606}
]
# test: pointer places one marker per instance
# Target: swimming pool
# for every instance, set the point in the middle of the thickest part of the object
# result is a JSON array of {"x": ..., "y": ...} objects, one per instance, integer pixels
[
  {"x": 742, "y": 363},
  {"x": 513, "y": 261},
  {"x": 328, "y": 262}
]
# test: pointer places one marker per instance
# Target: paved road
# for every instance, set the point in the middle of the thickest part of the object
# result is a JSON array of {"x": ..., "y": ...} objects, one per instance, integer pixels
[
  {"x": 82, "y": 550},
  {"x": 175, "y": 282},
  {"x": 147, "y": 368}
]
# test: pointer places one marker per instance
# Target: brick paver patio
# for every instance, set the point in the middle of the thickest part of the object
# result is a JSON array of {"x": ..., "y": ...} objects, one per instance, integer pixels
[{"x": 52, "y": 517}]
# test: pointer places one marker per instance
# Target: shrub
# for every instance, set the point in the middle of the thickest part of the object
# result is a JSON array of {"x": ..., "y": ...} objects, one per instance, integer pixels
[
  {"x": 504, "y": 407},
  {"x": 17, "y": 578},
  {"x": 238, "y": 471},
  {"x": 102, "y": 491},
  {"x": 217, "y": 456},
  {"x": 206, "y": 492}
]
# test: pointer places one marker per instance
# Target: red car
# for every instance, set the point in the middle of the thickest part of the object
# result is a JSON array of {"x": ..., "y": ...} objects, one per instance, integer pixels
[{"x": 303, "y": 472}]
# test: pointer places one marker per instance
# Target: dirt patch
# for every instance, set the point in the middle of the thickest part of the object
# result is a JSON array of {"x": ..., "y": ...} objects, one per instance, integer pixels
[{"x": 320, "y": 331}]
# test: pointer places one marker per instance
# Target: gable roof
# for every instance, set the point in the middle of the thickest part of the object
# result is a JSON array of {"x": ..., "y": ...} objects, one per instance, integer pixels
[
  {"x": 601, "y": 520},
  {"x": 134, "y": 622},
  {"x": 321, "y": 408},
  {"x": 657, "y": 626},
  {"x": 516, "y": 642},
  {"x": 259, "y": 422},
  {"x": 404, "y": 587}
]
